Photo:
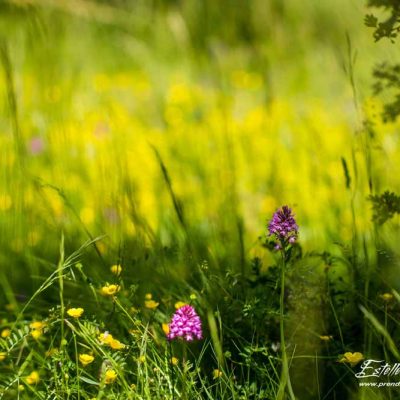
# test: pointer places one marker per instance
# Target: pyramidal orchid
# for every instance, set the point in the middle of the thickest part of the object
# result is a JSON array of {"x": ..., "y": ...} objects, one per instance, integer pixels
[{"x": 185, "y": 324}]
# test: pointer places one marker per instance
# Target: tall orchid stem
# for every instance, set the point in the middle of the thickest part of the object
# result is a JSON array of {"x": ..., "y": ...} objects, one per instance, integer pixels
[{"x": 285, "y": 377}]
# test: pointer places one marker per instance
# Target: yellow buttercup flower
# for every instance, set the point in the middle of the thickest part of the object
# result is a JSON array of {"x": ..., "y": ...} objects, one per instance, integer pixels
[
  {"x": 33, "y": 378},
  {"x": 85, "y": 359},
  {"x": 180, "y": 304},
  {"x": 116, "y": 344},
  {"x": 75, "y": 312},
  {"x": 148, "y": 296},
  {"x": 116, "y": 270},
  {"x": 110, "y": 376},
  {"x": 37, "y": 325},
  {"x": 174, "y": 361},
  {"x": 142, "y": 359},
  {"x": 165, "y": 328},
  {"x": 36, "y": 333},
  {"x": 386, "y": 297},
  {"x": 5, "y": 333},
  {"x": 352, "y": 358},
  {"x": 151, "y": 304},
  {"x": 105, "y": 338},
  {"x": 110, "y": 290},
  {"x": 3, "y": 355}
]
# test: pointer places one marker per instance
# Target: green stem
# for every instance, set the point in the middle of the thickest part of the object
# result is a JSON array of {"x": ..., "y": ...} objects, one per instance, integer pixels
[
  {"x": 285, "y": 377},
  {"x": 171, "y": 366}
]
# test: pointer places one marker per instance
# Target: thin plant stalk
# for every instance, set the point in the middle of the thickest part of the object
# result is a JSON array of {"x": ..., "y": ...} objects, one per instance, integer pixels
[{"x": 285, "y": 376}]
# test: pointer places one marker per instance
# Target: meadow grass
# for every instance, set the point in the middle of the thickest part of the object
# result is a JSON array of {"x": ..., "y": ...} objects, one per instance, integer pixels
[{"x": 145, "y": 145}]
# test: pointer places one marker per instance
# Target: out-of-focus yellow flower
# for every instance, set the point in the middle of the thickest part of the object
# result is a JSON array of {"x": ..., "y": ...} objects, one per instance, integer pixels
[
  {"x": 87, "y": 215},
  {"x": 352, "y": 358},
  {"x": 165, "y": 328},
  {"x": 110, "y": 376},
  {"x": 86, "y": 359},
  {"x": 151, "y": 304},
  {"x": 116, "y": 344},
  {"x": 75, "y": 312},
  {"x": 110, "y": 290},
  {"x": 5, "y": 333},
  {"x": 148, "y": 296},
  {"x": 180, "y": 304},
  {"x": 33, "y": 378},
  {"x": 37, "y": 325},
  {"x": 37, "y": 329},
  {"x": 5, "y": 202},
  {"x": 142, "y": 359},
  {"x": 174, "y": 361},
  {"x": 326, "y": 338},
  {"x": 105, "y": 338},
  {"x": 116, "y": 270},
  {"x": 217, "y": 373},
  {"x": 386, "y": 297},
  {"x": 193, "y": 296},
  {"x": 3, "y": 355},
  {"x": 21, "y": 388},
  {"x": 36, "y": 333}
]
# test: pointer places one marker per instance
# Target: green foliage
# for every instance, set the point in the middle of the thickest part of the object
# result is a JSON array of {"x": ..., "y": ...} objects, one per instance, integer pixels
[
  {"x": 385, "y": 206},
  {"x": 389, "y": 27}
]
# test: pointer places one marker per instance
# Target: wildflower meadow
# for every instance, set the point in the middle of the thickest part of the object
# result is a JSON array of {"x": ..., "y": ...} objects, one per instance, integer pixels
[{"x": 199, "y": 199}]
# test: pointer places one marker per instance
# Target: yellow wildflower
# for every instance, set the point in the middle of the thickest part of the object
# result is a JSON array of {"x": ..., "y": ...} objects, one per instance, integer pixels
[
  {"x": 142, "y": 359},
  {"x": 3, "y": 355},
  {"x": 36, "y": 333},
  {"x": 37, "y": 325},
  {"x": 151, "y": 304},
  {"x": 75, "y": 312},
  {"x": 110, "y": 290},
  {"x": 165, "y": 328},
  {"x": 110, "y": 376},
  {"x": 105, "y": 338},
  {"x": 180, "y": 304},
  {"x": 326, "y": 338},
  {"x": 116, "y": 270},
  {"x": 386, "y": 297},
  {"x": 85, "y": 359},
  {"x": 33, "y": 378},
  {"x": 174, "y": 361},
  {"x": 21, "y": 388},
  {"x": 217, "y": 373},
  {"x": 5, "y": 333},
  {"x": 352, "y": 358},
  {"x": 148, "y": 296},
  {"x": 116, "y": 344},
  {"x": 193, "y": 296}
]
